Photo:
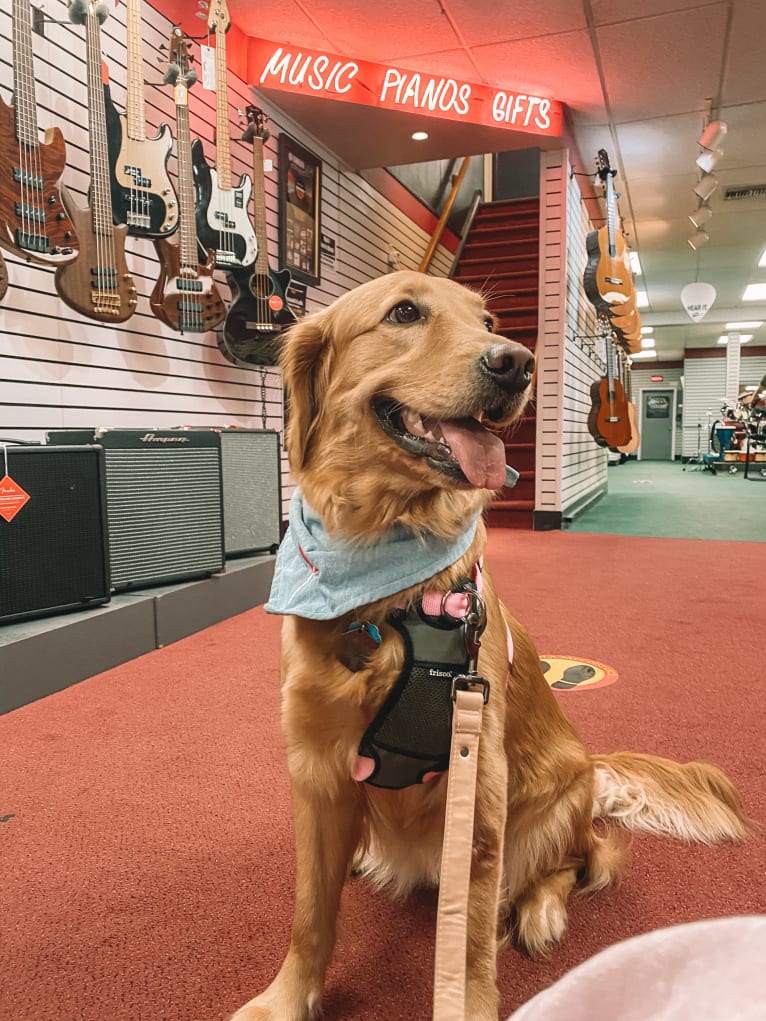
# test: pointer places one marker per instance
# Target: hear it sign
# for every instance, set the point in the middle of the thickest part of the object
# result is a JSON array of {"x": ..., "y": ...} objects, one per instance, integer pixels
[{"x": 329, "y": 76}]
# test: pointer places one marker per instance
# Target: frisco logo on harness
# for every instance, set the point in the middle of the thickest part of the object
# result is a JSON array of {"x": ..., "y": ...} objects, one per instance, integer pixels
[{"x": 408, "y": 741}]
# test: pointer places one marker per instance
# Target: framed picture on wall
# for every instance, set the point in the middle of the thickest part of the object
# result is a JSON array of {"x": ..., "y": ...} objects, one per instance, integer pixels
[{"x": 300, "y": 185}]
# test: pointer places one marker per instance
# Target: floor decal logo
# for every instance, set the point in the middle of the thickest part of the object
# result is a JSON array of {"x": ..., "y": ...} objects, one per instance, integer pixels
[{"x": 567, "y": 673}]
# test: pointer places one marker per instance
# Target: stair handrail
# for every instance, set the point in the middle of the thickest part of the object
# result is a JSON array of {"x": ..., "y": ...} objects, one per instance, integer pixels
[
  {"x": 457, "y": 180},
  {"x": 466, "y": 229}
]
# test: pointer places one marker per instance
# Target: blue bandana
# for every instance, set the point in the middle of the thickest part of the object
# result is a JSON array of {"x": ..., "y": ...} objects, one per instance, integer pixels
[{"x": 321, "y": 579}]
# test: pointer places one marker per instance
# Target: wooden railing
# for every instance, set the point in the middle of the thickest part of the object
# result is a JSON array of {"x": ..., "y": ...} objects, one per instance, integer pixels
[{"x": 457, "y": 180}]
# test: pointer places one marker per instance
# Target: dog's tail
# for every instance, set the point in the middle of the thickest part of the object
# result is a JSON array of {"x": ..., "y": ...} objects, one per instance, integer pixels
[{"x": 690, "y": 801}]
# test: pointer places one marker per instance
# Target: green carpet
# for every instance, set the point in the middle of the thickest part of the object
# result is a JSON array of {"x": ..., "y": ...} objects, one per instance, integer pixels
[{"x": 659, "y": 498}]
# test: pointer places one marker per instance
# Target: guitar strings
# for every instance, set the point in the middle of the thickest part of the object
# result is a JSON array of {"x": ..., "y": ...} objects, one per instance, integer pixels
[{"x": 30, "y": 164}]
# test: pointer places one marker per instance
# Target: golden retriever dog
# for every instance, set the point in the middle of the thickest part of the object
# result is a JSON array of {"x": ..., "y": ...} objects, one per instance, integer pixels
[{"x": 397, "y": 396}]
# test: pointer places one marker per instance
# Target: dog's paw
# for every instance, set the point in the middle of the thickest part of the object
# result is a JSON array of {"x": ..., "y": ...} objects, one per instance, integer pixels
[
  {"x": 271, "y": 1006},
  {"x": 541, "y": 920}
]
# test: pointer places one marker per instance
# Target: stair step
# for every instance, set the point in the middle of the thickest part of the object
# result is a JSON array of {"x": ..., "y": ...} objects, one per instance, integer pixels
[
  {"x": 509, "y": 208},
  {"x": 514, "y": 266},
  {"x": 507, "y": 249},
  {"x": 516, "y": 283},
  {"x": 506, "y": 231}
]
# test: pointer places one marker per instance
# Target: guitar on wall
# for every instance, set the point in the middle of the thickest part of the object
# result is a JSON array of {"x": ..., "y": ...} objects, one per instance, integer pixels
[
  {"x": 33, "y": 221},
  {"x": 185, "y": 296},
  {"x": 608, "y": 421},
  {"x": 635, "y": 436},
  {"x": 98, "y": 283},
  {"x": 259, "y": 311},
  {"x": 607, "y": 278},
  {"x": 142, "y": 195},
  {"x": 223, "y": 223}
]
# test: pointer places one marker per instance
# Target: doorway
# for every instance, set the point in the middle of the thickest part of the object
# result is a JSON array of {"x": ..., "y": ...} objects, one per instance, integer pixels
[{"x": 658, "y": 424}]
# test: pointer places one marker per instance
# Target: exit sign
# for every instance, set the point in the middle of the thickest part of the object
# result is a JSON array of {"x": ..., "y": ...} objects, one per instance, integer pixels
[{"x": 656, "y": 379}]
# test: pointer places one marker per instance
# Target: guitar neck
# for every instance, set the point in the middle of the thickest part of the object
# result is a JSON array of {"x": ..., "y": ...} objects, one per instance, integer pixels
[
  {"x": 135, "y": 108},
  {"x": 222, "y": 147},
  {"x": 24, "y": 96},
  {"x": 259, "y": 207},
  {"x": 100, "y": 193},
  {"x": 611, "y": 219},
  {"x": 187, "y": 230}
]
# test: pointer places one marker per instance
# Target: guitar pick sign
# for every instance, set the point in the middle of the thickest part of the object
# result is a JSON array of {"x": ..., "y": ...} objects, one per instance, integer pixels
[{"x": 698, "y": 299}]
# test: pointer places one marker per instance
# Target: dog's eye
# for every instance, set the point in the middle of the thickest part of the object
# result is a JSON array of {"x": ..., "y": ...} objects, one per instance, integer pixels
[
  {"x": 489, "y": 324},
  {"x": 404, "y": 312}
]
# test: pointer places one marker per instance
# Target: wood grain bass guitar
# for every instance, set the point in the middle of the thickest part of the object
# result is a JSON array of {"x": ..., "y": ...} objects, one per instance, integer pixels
[
  {"x": 259, "y": 311},
  {"x": 608, "y": 421},
  {"x": 98, "y": 283},
  {"x": 33, "y": 222},
  {"x": 185, "y": 296},
  {"x": 223, "y": 222},
  {"x": 142, "y": 195},
  {"x": 607, "y": 277}
]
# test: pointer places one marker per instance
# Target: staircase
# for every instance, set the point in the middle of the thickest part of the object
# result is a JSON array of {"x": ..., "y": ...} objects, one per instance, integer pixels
[{"x": 501, "y": 257}]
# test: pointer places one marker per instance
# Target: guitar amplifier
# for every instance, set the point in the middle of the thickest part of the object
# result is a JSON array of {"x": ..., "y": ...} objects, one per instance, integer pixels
[
  {"x": 252, "y": 502},
  {"x": 163, "y": 500},
  {"x": 53, "y": 545}
]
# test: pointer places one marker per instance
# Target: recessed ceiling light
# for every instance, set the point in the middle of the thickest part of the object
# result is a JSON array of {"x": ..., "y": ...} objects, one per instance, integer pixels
[
  {"x": 642, "y": 300},
  {"x": 743, "y": 338},
  {"x": 635, "y": 263},
  {"x": 755, "y": 292},
  {"x": 644, "y": 354},
  {"x": 419, "y": 136},
  {"x": 744, "y": 326}
]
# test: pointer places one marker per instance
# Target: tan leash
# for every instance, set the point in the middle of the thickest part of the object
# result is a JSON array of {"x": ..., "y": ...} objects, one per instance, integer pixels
[{"x": 454, "y": 882}]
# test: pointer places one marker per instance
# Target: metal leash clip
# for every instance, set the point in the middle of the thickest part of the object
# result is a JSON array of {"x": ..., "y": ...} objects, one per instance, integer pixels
[{"x": 474, "y": 623}]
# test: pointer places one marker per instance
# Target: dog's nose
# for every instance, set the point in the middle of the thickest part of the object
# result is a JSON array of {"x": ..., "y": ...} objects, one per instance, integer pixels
[{"x": 510, "y": 365}]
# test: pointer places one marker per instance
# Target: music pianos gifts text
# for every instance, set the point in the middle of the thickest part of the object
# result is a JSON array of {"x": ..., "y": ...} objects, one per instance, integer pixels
[{"x": 406, "y": 89}]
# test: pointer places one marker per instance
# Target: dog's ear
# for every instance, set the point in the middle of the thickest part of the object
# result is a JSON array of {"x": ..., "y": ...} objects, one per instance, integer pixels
[{"x": 305, "y": 363}]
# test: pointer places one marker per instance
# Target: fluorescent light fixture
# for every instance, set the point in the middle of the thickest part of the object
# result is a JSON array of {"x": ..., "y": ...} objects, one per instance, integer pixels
[
  {"x": 701, "y": 216},
  {"x": 644, "y": 354},
  {"x": 705, "y": 186},
  {"x": 707, "y": 160},
  {"x": 698, "y": 239},
  {"x": 419, "y": 136},
  {"x": 647, "y": 342},
  {"x": 647, "y": 329},
  {"x": 755, "y": 292},
  {"x": 762, "y": 260},
  {"x": 713, "y": 135},
  {"x": 743, "y": 338},
  {"x": 642, "y": 300},
  {"x": 635, "y": 263},
  {"x": 751, "y": 325}
]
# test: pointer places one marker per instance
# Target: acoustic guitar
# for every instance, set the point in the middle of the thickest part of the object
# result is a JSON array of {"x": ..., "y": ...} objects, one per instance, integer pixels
[
  {"x": 185, "y": 296},
  {"x": 223, "y": 223},
  {"x": 635, "y": 436},
  {"x": 608, "y": 420},
  {"x": 259, "y": 311},
  {"x": 142, "y": 195},
  {"x": 98, "y": 283},
  {"x": 33, "y": 221},
  {"x": 607, "y": 277}
]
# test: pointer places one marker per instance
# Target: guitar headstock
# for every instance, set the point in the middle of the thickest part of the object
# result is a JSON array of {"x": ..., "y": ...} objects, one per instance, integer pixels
[
  {"x": 602, "y": 165},
  {"x": 180, "y": 71},
  {"x": 218, "y": 16},
  {"x": 256, "y": 124}
]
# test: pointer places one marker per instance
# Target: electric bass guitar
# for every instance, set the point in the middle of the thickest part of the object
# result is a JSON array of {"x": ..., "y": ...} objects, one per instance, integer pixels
[
  {"x": 259, "y": 311},
  {"x": 185, "y": 296},
  {"x": 607, "y": 277},
  {"x": 608, "y": 421},
  {"x": 33, "y": 222},
  {"x": 98, "y": 283},
  {"x": 223, "y": 223},
  {"x": 142, "y": 195}
]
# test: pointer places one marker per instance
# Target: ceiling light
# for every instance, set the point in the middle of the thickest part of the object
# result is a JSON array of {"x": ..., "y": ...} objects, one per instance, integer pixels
[
  {"x": 698, "y": 239},
  {"x": 419, "y": 136},
  {"x": 701, "y": 215},
  {"x": 762, "y": 260},
  {"x": 635, "y": 264},
  {"x": 751, "y": 325},
  {"x": 713, "y": 135},
  {"x": 707, "y": 160},
  {"x": 647, "y": 329},
  {"x": 755, "y": 292},
  {"x": 647, "y": 342},
  {"x": 642, "y": 301},
  {"x": 743, "y": 338},
  {"x": 644, "y": 354},
  {"x": 705, "y": 186}
]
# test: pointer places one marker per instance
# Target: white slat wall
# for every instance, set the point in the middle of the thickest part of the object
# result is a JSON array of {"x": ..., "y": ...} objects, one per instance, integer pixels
[
  {"x": 58, "y": 368},
  {"x": 704, "y": 388}
]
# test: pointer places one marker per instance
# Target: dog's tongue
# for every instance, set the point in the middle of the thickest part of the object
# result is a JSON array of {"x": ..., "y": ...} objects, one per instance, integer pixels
[{"x": 481, "y": 453}]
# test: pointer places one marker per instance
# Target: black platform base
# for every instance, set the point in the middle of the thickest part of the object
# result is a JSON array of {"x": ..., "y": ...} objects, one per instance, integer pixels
[{"x": 41, "y": 656}]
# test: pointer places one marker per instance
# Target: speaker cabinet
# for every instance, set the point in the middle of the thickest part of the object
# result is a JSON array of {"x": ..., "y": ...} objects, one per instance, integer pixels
[
  {"x": 164, "y": 503},
  {"x": 53, "y": 550}
]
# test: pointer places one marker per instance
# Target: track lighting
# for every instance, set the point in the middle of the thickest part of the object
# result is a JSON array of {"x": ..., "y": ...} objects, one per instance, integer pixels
[
  {"x": 705, "y": 187},
  {"x": 701, "y": 216},
  {"x": 707, "y": 160},
  {"x": 713, "y": 135},
  {"x": 698, "y": 239}
]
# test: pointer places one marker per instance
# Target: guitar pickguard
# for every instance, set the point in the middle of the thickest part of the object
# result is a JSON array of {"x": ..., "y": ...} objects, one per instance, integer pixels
[{"x": 223, "y": 222}]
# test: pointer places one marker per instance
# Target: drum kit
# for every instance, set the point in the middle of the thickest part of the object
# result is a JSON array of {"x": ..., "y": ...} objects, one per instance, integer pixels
[{"x": 742, "y": 429}]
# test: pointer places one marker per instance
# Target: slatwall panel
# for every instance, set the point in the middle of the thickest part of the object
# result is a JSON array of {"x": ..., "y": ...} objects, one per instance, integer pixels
[
  {"x": 60, "y": 369},
  {"x": 583, "y": 462},
  {"x": 704, "y": 388}
]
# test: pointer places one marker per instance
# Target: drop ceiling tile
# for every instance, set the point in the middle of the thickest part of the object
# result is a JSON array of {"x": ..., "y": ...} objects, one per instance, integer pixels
[{"x": 485, "y": 23}]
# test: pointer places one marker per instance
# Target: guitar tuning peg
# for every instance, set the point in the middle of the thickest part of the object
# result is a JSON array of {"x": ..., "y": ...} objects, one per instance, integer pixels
[{"x": 203, "y": 5}]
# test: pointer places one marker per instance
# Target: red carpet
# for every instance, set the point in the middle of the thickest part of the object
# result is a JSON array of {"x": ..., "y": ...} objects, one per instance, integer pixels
[{"x": 146, "y": 846}]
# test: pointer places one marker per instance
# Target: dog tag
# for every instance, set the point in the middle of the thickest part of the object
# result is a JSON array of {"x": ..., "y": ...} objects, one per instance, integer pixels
[{"x": 355, "y": 646}]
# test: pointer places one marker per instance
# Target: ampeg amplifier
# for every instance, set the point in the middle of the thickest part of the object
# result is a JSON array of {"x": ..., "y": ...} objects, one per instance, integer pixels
[
  {"x": 252, "y": 514},
  {"x": 164, "y": 503},
  {"x": 53, "y": 538}
]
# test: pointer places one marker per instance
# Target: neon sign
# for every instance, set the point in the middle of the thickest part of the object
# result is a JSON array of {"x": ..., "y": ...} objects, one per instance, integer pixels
[{"x": 330, "y": 76}]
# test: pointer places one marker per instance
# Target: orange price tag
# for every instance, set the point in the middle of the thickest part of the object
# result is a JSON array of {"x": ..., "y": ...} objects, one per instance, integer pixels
[{"x": 12, "y": 498}]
